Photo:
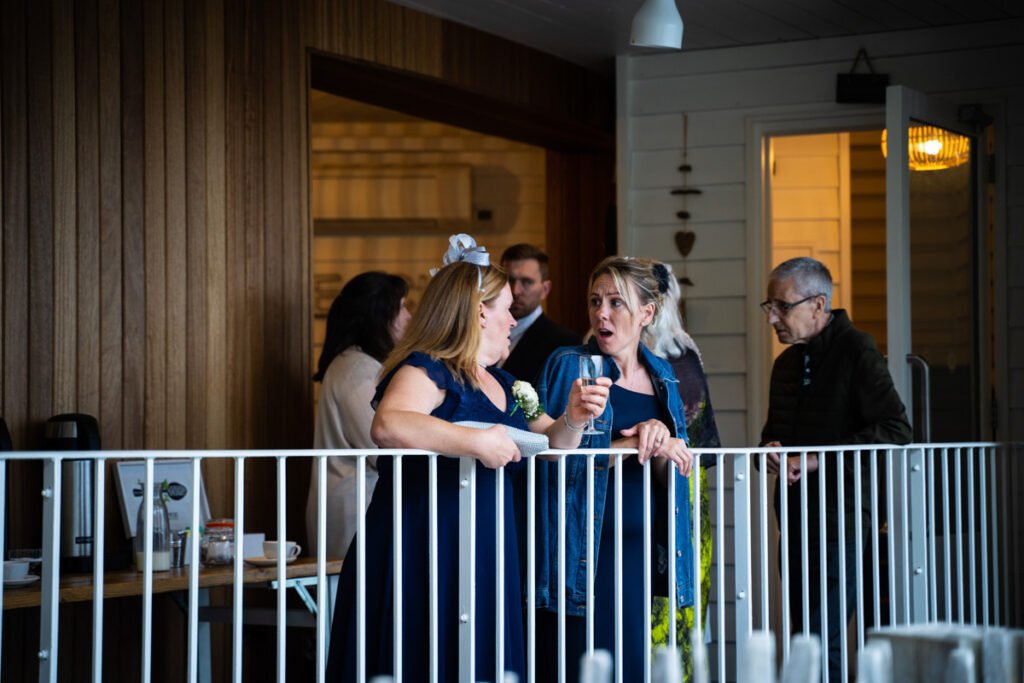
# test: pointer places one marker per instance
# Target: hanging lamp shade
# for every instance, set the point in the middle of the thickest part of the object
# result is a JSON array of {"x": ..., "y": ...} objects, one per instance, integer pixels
[
  {"x": 933, "y": 149},
  {"x": 657, "y": 24}
]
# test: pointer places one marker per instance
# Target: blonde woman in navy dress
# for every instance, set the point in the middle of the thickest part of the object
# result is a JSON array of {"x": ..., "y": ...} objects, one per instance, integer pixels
[{"x": 443, "y": 372}]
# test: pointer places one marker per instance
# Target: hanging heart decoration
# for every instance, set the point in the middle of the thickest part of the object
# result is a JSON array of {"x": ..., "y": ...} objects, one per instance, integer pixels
[{"x": 684, "y": 242}]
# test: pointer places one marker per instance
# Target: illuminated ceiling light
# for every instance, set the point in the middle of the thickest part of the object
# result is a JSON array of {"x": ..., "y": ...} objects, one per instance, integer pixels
[
  {"x": 657, "y": 24},
  {"x": 934, "y": 149}
]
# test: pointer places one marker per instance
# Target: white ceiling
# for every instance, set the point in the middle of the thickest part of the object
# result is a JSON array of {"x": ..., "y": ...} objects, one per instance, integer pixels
[{"x": 591, "y": 32}]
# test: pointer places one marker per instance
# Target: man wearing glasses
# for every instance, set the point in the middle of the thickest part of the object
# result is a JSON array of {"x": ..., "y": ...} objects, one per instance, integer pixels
[{"x": 830, "y": 387}]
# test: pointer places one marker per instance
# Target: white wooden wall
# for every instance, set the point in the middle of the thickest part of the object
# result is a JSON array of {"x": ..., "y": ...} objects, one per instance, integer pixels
[{"x": 732, "y": 94}]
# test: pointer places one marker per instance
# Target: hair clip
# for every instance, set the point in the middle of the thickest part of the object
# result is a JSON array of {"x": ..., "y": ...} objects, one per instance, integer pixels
[{"x": 463, "y": 247}]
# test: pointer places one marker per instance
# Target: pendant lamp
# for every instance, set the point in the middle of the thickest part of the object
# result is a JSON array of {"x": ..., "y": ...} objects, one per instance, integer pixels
[{"x": 657, "y": 24}]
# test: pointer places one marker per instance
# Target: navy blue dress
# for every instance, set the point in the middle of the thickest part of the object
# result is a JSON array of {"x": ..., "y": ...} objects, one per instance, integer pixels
[
  {"x": 461, "y": 402},
  {"x": 630, "y": 408}
]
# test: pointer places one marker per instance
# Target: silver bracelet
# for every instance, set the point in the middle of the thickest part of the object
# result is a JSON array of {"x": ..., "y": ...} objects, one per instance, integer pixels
[{"x": 565, "y": 419}]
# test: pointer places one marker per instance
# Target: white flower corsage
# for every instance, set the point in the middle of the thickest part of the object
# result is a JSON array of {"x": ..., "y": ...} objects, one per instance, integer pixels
[{"x": 527, "y": 399}]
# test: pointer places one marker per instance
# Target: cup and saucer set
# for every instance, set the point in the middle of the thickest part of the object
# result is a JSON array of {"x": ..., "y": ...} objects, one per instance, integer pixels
[
  {"x": 291, "y": 551},
  {"x": 16, "y": 572}
]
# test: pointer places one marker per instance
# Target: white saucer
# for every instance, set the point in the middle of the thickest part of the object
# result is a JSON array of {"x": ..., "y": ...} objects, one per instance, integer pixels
[
  {"x": 23, "y": 581},
  {"x": 262, "y": 561}
]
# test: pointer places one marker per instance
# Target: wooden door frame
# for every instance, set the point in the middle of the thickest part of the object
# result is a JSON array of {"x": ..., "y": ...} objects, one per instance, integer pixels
[{"x": 580, "y": 159}]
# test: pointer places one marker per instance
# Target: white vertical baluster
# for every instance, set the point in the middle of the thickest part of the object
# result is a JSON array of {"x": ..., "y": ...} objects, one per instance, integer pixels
[
  {"x": 590, "y": 554},
  {"x": 499, "y": 535},
  {"x": 147, "y": 576},
  {"x": 531, "y": 569},
  {"x": 619, "y": 663},
  {"x": 361, "y": 568},
  {"x": 972, "y": 564},
  {"x": 995, "y": 536},
  {"x": 765, "y": 551},
  {"x": 875, "y": 532},
  {"x": 193, "y": 573},
  {"x": 841, "y": 532},
  {"x": 432, "y": 569},
  {"x": 961, "y": 612},
  {"x": 282, "y": 584},
  {"x": 236, "y": 612},
  {"x": 983, "y": 530},
  {"x": 805, "y": 533},
  {"x": 399, "y": 563},
  {"x": 858, "y": 535},
  {"x": 823, "y": 560},
  {"x": 49, "y": 622},
  {"x": 98, "y": 550},
  {"x": 947, "y": 540},
  {"x": 673, "y": 558},
  {"x": 720, "y": 540},
  {"x": 561, "y": 568},
  {"x": 698, "y": 608},
  {"x": 742, "y": 548},
  {"x": 932, "y": 537},
  {"x": 467, "y": 570},
  {"x": 322, "y": 617},
  {"x": 648, "y": 588},
  {"x": 784, "y": 542},
  {"x": 890, "y": 493}
]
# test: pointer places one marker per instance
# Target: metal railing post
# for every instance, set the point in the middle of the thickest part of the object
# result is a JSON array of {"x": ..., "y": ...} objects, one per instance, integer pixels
[
  {"x": 917, "y": 486},
  {"x": 50, "y": 589},
  {"x": 741, "y": 549},
  {"x": 467, "y": 575}
]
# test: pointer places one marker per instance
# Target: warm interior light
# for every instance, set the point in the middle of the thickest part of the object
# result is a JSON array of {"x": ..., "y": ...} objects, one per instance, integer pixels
[{"x": 933, "y": 149}]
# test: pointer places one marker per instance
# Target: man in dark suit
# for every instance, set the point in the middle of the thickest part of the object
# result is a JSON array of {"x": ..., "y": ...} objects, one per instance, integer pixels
[{"x": 535, "y": 335}]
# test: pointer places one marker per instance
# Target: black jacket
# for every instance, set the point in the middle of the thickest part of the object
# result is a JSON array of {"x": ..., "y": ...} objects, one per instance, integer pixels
[
  {"x": 532, "y": 351},
  {"x": 834, "y": 390}
]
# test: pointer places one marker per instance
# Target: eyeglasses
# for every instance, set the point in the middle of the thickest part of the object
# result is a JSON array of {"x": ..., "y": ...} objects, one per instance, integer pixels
[{"x": 783, "y": 307}]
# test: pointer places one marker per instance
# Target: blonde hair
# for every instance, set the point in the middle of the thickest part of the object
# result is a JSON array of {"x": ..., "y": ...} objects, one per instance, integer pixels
[
  {"x": 636, "y": 281},
  {"x": 666, "y": 336},
  {"x": 446, "y": 325}
]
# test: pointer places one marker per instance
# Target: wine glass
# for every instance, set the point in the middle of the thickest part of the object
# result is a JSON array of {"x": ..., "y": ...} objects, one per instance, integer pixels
[{"x": 591, "y": 367}]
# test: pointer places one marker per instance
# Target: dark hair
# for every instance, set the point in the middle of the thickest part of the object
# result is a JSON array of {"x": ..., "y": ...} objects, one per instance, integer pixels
[
  {"x": 361, "y": 316},
  {"x": 522, "y": 252}
]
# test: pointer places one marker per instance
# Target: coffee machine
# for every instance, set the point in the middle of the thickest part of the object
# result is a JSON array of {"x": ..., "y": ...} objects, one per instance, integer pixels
[{"x": 75, "y": 432}]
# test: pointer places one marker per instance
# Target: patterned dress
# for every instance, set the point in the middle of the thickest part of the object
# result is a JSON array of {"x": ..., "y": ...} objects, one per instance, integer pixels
[{"x": 702, "y": 433}]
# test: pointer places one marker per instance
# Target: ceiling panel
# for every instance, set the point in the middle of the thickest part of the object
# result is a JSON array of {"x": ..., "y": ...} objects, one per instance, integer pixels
[{"x": 593, "y": 32}]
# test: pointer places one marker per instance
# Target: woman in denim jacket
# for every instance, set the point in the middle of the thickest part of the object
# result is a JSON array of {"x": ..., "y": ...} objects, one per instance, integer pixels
[{"x": 644, "y": 411}]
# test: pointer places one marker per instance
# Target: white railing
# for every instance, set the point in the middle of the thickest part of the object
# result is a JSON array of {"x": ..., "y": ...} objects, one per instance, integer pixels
[{"x": 931, "y": 526}]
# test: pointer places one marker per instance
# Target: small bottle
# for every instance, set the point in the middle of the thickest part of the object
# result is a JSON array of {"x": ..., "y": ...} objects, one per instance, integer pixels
[{"x": 161, "y": 527}]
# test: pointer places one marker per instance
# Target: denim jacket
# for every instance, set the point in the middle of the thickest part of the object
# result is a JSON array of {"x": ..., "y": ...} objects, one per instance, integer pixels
[{"x": 556, "y": 380}]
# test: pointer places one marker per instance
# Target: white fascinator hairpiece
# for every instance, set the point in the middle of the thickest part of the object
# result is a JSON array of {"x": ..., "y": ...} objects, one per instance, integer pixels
[{"x": 462, "y": 247}]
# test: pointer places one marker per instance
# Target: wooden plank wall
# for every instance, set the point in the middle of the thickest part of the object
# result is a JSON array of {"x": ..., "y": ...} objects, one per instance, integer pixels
[{"x": 155, "y": 243}]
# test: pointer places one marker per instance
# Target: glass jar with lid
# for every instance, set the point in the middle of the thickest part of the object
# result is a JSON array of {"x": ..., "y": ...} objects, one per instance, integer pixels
[{"x": 218, "y": 543}]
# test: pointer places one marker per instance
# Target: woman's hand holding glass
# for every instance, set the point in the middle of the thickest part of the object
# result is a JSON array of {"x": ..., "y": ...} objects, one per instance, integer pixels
[
  {"x": 654, "y": 440},
  {"x": 587, "y": 402}
]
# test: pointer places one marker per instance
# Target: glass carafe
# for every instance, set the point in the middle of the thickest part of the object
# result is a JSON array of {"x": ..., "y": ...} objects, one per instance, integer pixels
[{"x": 160, "y": 521}]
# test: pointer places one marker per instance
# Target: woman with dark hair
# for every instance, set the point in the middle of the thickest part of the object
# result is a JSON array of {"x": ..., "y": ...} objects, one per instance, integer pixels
[{"x": 365, "y": 322}]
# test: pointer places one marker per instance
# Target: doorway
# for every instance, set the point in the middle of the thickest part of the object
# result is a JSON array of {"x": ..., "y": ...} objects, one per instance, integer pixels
[{"x": 827, "y": 198}]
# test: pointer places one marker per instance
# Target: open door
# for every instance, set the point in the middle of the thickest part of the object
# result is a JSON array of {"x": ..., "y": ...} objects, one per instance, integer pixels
[{"x": 934, "y": 297}]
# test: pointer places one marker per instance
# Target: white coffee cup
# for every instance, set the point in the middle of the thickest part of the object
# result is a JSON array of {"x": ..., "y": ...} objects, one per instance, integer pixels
[
  {"x": 292, "y": 550},
  {"x": 15, "y": 569}
]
